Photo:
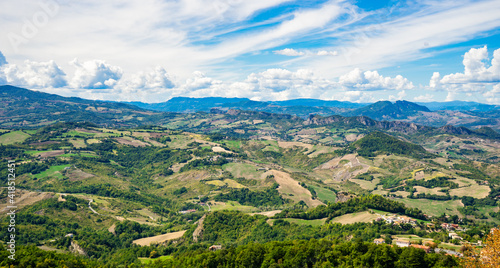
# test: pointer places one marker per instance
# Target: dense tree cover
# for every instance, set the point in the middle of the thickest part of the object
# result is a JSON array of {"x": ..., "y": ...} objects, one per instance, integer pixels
[
  {"x": 377, "y": 143},
  {"x": 267, "y": 197},
  {"x": 31, "y": 256},
  {"x": 354, "y": 205},
  {"x": 233, "y": 227},
  {"x": 200, "y": 163},
  {"x": 312, "y": 253},
  {"x": 434, "y": 182}
]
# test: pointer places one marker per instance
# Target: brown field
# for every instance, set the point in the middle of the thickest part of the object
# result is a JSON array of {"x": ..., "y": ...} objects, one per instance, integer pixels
[
  {"x": 355, "y": 217},
  {"x": 219, "y": 149},
  {"x": 50, "y": 153},
  {"x": 159, "y": 238},
  {"x": 291, "y": 186},
  {"x": 367, "y": 185},
  {"x": 476, "y": 191},
  {"x": 77, "y": 175},
  {"x": 24, "y": 198},
  {"x": 353, "y": 137},
  {"x": 132, "y": 142},
  {"x": 291, "y": 144},
  {"x": 267, "y": 213},
  {"x": 435, "y": 191}
]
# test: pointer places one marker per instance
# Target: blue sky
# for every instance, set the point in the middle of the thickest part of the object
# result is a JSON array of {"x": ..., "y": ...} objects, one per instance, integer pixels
[{"x": 153, "y": 50}]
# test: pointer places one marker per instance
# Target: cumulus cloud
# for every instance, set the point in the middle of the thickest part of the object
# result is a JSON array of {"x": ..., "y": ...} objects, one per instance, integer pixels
[
  {"x": 475, "y": 70},
  {"x": 289, "y": 52},
  {"x": 95, "y": 74},
  {"x": 424, "y": 98},
  {"x": 34, "y": 74},
  {"x": 493, "y": 96},
  {"x": 200, "y": 81},
  {"x": 327, "y": 53},
  {"x": 372, "y": 80},
  {"x": 477, "y": 76},
  {"x": 157, "y": 78}
]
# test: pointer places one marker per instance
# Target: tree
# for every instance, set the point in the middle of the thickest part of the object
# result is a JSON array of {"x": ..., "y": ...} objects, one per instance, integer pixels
[{"x": 488, "y": 257}]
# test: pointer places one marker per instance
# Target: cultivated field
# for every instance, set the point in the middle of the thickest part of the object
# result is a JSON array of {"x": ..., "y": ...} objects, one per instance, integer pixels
[
  {"x": 290, "y": 188},
  {"x": 356, "y": 217},
  {"x": 158, "y": 239},
  {"x": 13, "y": 137}
]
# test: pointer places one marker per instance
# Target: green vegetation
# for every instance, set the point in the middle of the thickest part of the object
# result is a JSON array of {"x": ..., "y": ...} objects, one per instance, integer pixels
[{"x": 13, "y": 137}]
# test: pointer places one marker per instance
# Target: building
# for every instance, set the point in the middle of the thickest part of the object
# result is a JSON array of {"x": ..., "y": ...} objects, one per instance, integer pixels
[
  {"x": 215, "y": 247},
  {"x": 379, "y": 241},
  {"x": 426, "y": 248},
  {"x": 187, "y": 211},
  {"x": 403, "y": 244}
]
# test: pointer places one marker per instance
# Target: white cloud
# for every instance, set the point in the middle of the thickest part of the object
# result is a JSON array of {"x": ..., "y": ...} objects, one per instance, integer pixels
[
  {"x": 289, "y": 52},
  {"x": 477, "y": 78},
  {"x": 475, "y": 70},
  {"x": 327, "y": 53},
  {"x": 424, "y": 98},
  {"x": 95, "y": 74},
  {"x": 493, "y": 96},
  {"x": 372, "y": 80},
  {"x": 34, "y": 74},
  {"x": 157, "y": 78}
]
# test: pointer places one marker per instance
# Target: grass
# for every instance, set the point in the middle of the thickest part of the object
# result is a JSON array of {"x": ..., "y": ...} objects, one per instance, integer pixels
[
  {"x": 434, "y": 207},
  {"x": 149, "y": 260},
  {"x": 243, "y": 170},
  {"x": 232, "y": 205},
  {"x": 364, "y": 216},
  {"x": 475, "y": 190},
  {"x": 53, "y": 171},
  {"x": 13, "y": 137},
  {"x": 318, "y": 222},
  {"x": 325, "y": 195}
]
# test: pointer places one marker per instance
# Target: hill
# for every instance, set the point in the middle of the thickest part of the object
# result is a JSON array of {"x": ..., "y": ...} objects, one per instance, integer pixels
[
  {"x": 27, "y": 108},
  {"x": 377, "y": 143},
  {"x": 386, "y": 110}
]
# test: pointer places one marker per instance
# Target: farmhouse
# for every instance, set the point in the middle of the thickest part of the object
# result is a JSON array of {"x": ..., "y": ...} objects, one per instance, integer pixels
[{"x": 403, "y": 244}]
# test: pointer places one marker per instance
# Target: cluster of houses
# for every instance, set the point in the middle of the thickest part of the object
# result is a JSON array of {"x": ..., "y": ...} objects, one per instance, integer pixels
[
  {"x": 394, "y": 219},
  {"x": 426, "y": 248}
]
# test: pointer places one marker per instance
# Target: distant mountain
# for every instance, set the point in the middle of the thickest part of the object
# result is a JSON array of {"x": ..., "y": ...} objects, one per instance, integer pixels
[
  {"x": 26, "y": 108},
  {"x": 386, "y": 110},
  {"x": 459, "y": 106},
  {"x": 189, "y": 105},
  {"x": 319, "y": 103}
]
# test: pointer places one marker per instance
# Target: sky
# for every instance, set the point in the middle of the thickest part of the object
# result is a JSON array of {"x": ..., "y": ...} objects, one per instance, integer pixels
[{"x": 153, "y": 50}]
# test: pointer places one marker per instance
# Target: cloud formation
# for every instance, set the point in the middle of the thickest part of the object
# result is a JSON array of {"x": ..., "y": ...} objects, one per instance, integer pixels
[
  {"x": 475, "y": 70},
  {"x": 477, "y": 78},
  {"x": 33, "y": 74},
  {"x": 95, "y": 74},
  {"x": 372, "y": 80},
  {"x": 157, "y": 78},
  {"x": 289, "y": 52}
]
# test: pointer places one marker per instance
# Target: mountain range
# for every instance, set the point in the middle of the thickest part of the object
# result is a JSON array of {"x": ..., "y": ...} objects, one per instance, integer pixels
[{"x": 23, "y": 107}]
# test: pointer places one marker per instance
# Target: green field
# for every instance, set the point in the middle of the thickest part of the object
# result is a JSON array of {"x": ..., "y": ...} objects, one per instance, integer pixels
[
  {"x": 149, "y": 260},
  {"x": 243, "y": 170},
  {"x": 13, "y": 137},
  {"x": 317, "y": 222},
  {"x": 325, "y": 195},
  {"x": 53, "y": 171},
  {"x": 434, "y": 207}
]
